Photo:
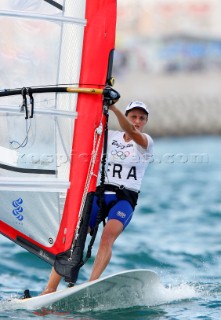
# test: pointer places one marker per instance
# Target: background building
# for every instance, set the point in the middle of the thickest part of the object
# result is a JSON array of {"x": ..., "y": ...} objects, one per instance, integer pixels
[{"x": 168, "y": 53}]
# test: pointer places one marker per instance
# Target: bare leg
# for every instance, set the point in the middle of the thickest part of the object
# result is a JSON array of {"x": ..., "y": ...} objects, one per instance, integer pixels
[
  {"x": 111, "y": 231},
  {"x": 53, "y": 282}
]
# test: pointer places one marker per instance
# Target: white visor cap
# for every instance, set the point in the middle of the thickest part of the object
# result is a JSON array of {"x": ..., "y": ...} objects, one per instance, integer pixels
[{"x": 137, "y": 104}]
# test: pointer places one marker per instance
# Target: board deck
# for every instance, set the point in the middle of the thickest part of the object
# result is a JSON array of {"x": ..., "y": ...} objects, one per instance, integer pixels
[{"x": 120, "y": 290}]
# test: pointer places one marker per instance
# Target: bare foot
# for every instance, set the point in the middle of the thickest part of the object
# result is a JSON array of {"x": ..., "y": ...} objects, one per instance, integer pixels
[{"x": 47, "y": 290}]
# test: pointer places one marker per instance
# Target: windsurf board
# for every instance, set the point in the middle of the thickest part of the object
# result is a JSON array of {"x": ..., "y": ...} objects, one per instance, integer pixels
[{"x": 120, "y": 290}]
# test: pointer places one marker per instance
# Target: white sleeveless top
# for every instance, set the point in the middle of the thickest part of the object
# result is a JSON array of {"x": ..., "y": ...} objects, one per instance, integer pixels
[{"x": 126, "y": 161}]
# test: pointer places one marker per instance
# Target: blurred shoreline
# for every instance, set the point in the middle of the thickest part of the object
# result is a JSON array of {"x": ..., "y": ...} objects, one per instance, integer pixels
[{"x": 180, "y": 103}]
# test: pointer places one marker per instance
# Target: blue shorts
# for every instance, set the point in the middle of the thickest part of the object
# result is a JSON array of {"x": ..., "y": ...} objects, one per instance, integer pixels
[{"x": 121, "y": 210}]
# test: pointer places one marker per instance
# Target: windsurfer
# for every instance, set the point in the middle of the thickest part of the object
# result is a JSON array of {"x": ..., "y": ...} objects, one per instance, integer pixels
[{"x": 129, "y": 153}]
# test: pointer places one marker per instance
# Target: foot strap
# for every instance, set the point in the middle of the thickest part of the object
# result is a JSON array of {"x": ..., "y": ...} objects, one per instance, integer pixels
[{"x": 26, "y": 294}]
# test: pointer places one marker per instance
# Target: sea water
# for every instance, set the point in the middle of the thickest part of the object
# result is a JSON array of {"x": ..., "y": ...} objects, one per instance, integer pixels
[{"x": 175, "y": 231}]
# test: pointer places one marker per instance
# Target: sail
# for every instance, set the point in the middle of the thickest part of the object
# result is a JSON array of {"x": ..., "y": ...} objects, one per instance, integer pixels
[{"x": 51, "y": 142}]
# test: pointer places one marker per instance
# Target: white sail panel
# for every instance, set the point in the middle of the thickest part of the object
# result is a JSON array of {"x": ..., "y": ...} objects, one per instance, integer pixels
[
  {"x": 41, "y": 228},
  {"x": 41, "y": 45}
]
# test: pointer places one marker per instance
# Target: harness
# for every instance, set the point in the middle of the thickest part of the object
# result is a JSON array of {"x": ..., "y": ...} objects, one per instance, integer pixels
[{"x": 122, "y": 193}]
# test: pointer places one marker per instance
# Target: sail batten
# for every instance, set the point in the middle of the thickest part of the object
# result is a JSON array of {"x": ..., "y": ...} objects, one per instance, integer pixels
[
  {"x": 30, "y": 184},
  {"x": 55, "y": 112},
  {"x": 25, "y": 15}
]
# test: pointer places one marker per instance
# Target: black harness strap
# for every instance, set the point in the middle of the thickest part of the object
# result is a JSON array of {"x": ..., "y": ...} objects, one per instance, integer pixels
[{"x": 123, "y": 193}]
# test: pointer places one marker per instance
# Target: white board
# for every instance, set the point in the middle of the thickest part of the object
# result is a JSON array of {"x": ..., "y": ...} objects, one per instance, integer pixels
[{"x": 121, "y": 290}]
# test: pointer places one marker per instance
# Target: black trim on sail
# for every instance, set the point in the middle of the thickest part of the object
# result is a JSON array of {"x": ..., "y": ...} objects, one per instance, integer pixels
[
  {"x": 43, "y": 254},
  {"x": 55, "y": 4},
  {"x": 26, "y": 170}
]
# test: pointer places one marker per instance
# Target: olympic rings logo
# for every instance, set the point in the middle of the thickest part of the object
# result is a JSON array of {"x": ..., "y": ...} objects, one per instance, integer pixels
[{"x": 120, "y": 154}]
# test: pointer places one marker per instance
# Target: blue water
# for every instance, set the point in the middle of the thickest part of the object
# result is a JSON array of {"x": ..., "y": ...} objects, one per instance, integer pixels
[{"x": 175, "y": 231}]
